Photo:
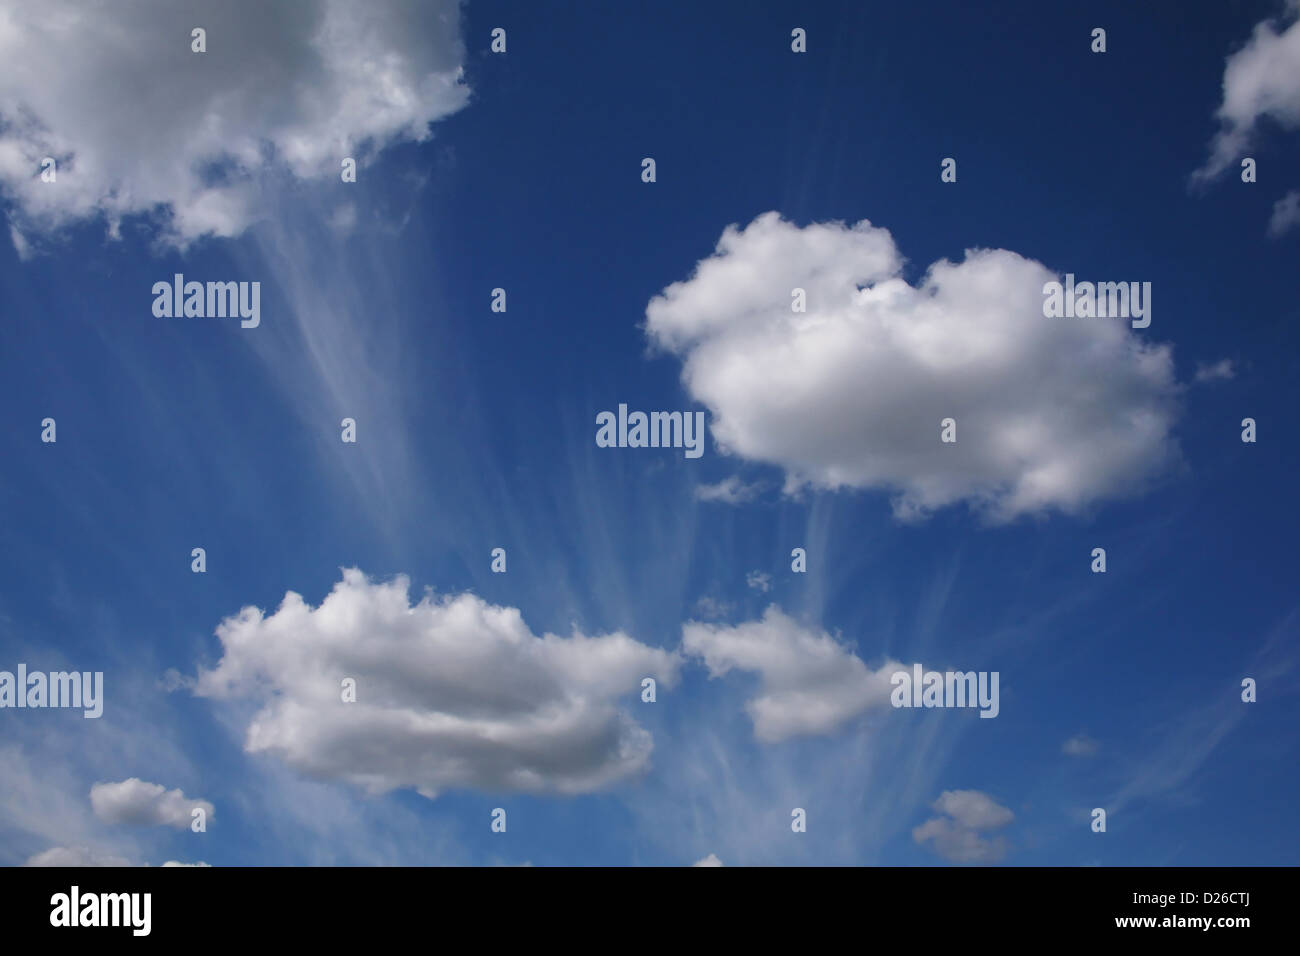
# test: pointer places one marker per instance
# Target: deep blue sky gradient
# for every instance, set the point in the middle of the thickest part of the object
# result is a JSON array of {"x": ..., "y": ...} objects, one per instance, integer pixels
[{"x": 180, "y": 433}]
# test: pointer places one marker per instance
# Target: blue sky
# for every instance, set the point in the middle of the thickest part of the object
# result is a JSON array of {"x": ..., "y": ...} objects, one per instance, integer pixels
[{"x": 476, "y": 430}]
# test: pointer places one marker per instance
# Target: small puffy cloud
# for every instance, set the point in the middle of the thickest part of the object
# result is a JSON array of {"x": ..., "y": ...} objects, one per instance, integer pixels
[
  {"x": 959, "y": 844},
  {"x": 1052, "y": 413},
  {"x": 710, "y": 860},
  {"x": 1286, "y": 214},
  {"x": 1080, "y": 745},
  {"x": 731, "y": 491},
  {"x": 1219, "y": 371},
  {"x": 450, "y": 693},
  {"x": 173, "y": 680},
  {"x": 959, "y": 834},
  {"x": 139, "y": 803},
  {"x": 759, "y": 581},
  {"x": 175, "y": 863},
  {"x": 1262, "y": 79},
  {"x": 140, "y": 124},
  {"x": 710, "y": 608},
  {"x": 811, "y": 684},
  {"x": 76, "y": 856},
  {"x": 973, "y": 809}
]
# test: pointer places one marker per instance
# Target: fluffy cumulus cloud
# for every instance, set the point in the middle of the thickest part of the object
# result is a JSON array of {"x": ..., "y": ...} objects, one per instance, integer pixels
[
  {"x": 1052, "y": 413},
  {"x": 710, "y": 860},
  {"x": 1260, "y": 80},
  {"x": 139, "y": 803},
  {"x": 811, "y": 684},
  {"x": 449, "y": 693},
  {"x": 961, "y": 833},
  {"x": 81, "y": 84}
]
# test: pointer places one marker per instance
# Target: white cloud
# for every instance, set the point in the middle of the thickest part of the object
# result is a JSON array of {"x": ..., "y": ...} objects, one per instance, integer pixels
[
  {"x": 83, "y": 856},
  {"x": 135, "y": 801},
  {"x": 710, "y": 860},
  {"x": 958, "y": 834},
  {"x": 1080, "y": 745},
  {"x": 759, "y": 581},
  {"x": 731, "y": 491},
  {"x": 453, "y": 692},
  {"x": 711, "y": 608},
  {"x": 49, "y": 768},
  {"x": 1261, "y": 79},
  {"x": 1286, "y": 214},
  {"x": 173, "y": 680},
  {"x": 958, "y": 844},
  {"x": 973, "y": 809},
  {"x": 811, "y": 684},
  {"x": 140, "y": 124},
  {"x": 21, "y": 245},
  {"x": 1219, "y": 371},
  {"x": 1051, "y": 413},
  {"x": 76, "y": 856}
]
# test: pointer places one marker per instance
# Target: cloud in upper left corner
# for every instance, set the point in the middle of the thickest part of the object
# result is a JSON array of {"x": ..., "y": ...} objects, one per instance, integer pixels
[{"x": 140, "y": 124}]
